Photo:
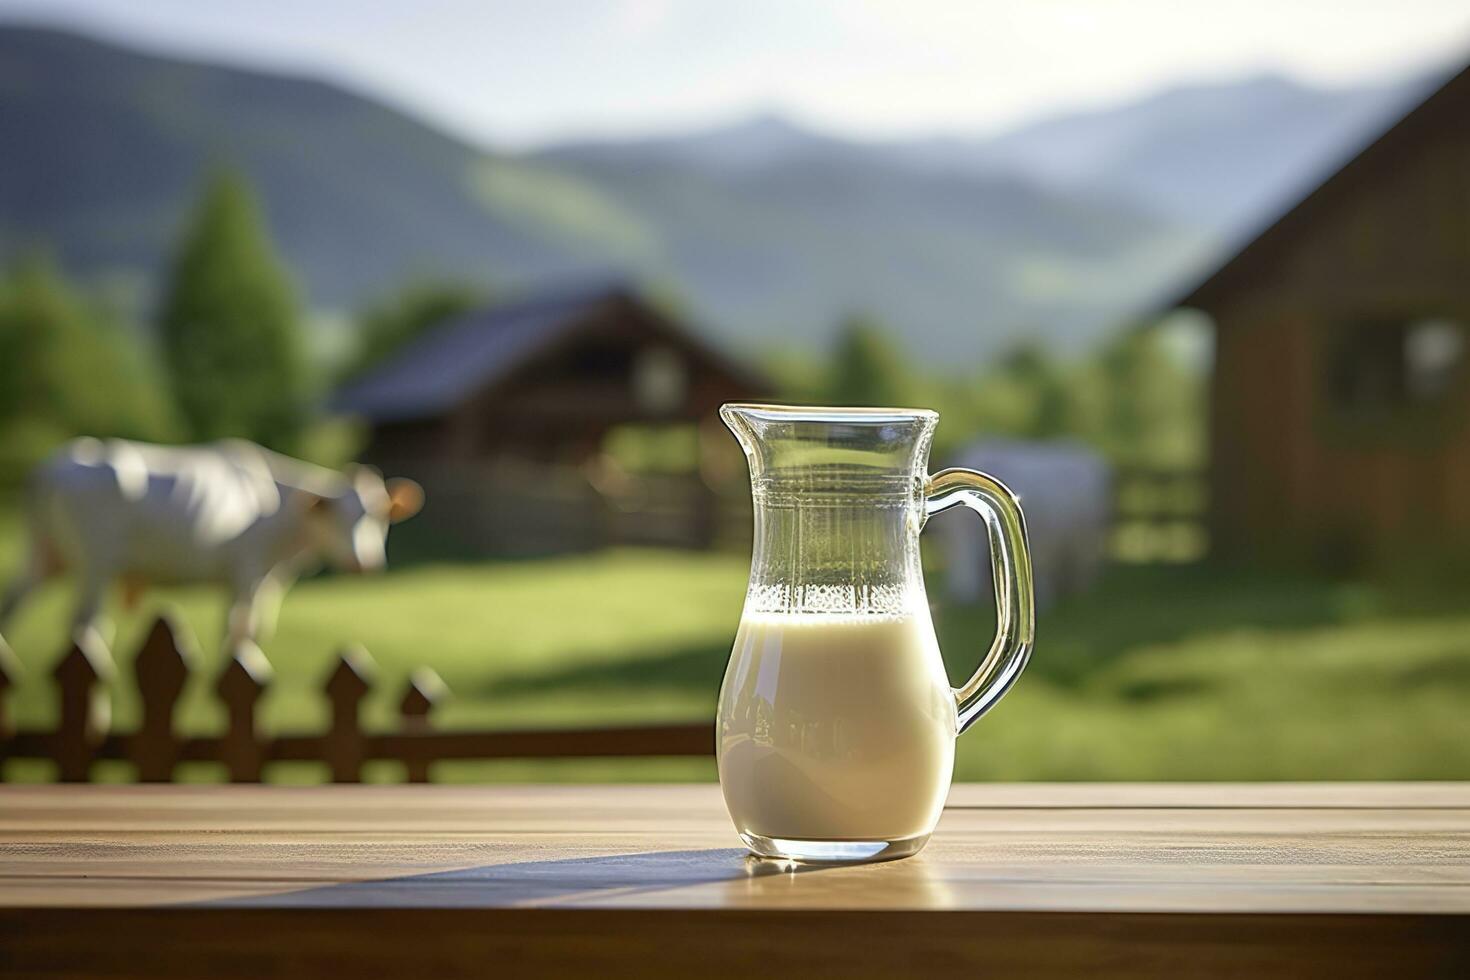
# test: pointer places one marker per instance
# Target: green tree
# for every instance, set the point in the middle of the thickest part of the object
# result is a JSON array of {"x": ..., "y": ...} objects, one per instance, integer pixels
[
  {"x": 867, "y": 367},
  {"x": 394, "y": 321},
  {"x": 1049, "y": 389},
  {"x": 1154, "y": 405},
  {"x": 799, "y": 376},
  {"x": 66, "y": 370},
  {"x": 230, "y": 326}
]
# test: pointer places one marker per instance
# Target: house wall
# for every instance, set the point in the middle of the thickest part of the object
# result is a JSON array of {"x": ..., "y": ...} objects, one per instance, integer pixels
[
  {"x": 507, "y": 470},
  {"x": 560, "y": 406},
  {"x": 1295, "y": 480}
]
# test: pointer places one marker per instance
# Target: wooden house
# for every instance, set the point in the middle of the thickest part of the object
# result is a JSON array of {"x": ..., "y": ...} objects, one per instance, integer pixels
[
  {"x": 1339, "y": 430},
  {"x": 504, "y": 415}
]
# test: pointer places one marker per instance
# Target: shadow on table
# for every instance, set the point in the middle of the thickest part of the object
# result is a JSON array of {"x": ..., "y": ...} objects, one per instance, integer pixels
[{"x": 571, "y": 880}]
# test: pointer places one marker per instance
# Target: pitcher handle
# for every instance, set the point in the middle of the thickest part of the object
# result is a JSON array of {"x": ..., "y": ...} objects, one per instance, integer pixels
[{"x": 1010, "y": 562}]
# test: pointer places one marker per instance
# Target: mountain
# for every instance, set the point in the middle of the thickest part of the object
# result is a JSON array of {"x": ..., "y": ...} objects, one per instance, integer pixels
[
  {"x": 768, "y": 230},
  {"x": 1224, "y": 157},
  {"x": 756, "y": 143},
  {"x": 1217, "y": 157},
  {"x": 955, "y": 260},
  {"x": 106, "y": 148},
  {"x": 1086, "y": 217}
]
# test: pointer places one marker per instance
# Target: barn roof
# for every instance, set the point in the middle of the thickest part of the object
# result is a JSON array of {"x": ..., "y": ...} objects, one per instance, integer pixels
[
  {"x": 1447, "y": 106},
  {"x": 448, "y": 364}
]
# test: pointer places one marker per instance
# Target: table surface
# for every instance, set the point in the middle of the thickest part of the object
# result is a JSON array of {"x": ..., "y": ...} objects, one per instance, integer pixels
[
  {"x": 1258, "y": 848},
  {"x": 1381, "y": 852}
]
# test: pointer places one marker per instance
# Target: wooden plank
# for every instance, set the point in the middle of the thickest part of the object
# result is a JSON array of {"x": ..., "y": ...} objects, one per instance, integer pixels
[
  {"x": 244, "y": 750},
  {"x": 645, "y": 740},
  {"x": 1097, "y": 848},
  {"x": 1264, "y": 880},
  {"x": 528, "y": 943},
  {"x": 187, "y": 803}
]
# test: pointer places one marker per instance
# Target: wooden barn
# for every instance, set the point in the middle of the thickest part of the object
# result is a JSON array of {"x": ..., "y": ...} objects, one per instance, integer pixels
[
  {"x": 506, "y": 416},
  {"x": 1340, "y": 394}
]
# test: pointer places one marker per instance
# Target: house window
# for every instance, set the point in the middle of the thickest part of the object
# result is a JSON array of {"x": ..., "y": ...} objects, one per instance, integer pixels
[
  {"x": 1382, "y": 368},
  {"x": 1433, "y": 351},
  {"x": 659, "y": 381}
]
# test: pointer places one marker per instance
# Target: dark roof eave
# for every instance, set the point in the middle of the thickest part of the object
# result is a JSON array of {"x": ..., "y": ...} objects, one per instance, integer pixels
[
  {"x": 363, "y": 397},
  {"x": 389, "y": 416},
  {"x": 1207, "y": 293}
]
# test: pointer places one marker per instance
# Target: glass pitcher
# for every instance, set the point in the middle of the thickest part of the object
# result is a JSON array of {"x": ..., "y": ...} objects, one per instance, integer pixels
[{"x": 837, "y": 723}]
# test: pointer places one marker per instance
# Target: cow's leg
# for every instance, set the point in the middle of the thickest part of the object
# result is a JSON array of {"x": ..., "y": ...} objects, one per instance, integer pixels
[
  {"x": 267, "y": 607},
  {"x": 91, "y": 590},
  {"x": 243, "y": 621},
  {"x": 237, "y": 621},
  {"x": 42, "y": 563}
]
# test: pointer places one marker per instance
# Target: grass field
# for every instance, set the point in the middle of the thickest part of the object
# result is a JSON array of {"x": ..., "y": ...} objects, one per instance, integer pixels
[{"x": 1158, "y": 674}]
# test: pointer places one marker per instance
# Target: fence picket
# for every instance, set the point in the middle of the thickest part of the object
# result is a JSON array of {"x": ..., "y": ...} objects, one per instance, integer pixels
[
  {"x": 425, "y": 689},
  {"x": 161, "y": 668},
  {"x": 348, "y": 684},
  {"x": 86, "y": 712},
  {"x": 9, "y": 671},
  {"x": 241, "y": 685},
  {"x": 156, "y": 747}
]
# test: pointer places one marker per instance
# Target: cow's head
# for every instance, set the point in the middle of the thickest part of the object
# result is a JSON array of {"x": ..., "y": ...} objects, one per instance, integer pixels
[{"x": 350, "y": 529}]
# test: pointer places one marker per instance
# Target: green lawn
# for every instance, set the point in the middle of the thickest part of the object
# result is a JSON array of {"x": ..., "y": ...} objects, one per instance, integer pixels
[{"x": 1158, "y": 674}]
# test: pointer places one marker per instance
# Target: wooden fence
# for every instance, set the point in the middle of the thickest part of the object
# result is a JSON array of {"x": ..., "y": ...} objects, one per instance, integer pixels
[
  {"x": 155, "y": 747},
  {"x": 1159, "y": 515}
]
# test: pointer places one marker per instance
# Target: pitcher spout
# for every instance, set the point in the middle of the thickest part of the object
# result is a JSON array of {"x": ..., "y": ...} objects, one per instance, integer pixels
[{"x": 812, "y": 445}]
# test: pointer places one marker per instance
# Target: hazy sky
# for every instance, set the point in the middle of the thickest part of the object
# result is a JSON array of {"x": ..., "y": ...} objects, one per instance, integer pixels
[{"x": 529, "y": 70}]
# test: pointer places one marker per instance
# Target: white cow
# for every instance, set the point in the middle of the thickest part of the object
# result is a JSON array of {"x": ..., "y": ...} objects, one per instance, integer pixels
[
  {"x": 1066, "y": 495},
  {"x": 231, "y": 513}
]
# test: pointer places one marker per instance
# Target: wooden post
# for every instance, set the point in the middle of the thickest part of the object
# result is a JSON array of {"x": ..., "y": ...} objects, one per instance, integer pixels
[
  {"x": 9, "y": 671},
  {"x": 425, "y": 689},
  {"x": 346, "y": 687},
  {"x": 244, "y": 680},
  {"x": 85, "y": 708},
  {"x": 162, "y": 666}
]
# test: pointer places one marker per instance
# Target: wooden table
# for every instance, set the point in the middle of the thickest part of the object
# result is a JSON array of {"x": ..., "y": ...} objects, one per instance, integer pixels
[{"x": 611, "y": 881}]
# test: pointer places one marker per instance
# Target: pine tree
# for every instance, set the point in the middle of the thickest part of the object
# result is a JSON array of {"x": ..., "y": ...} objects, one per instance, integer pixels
[{"x": 230, "y": 327}]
